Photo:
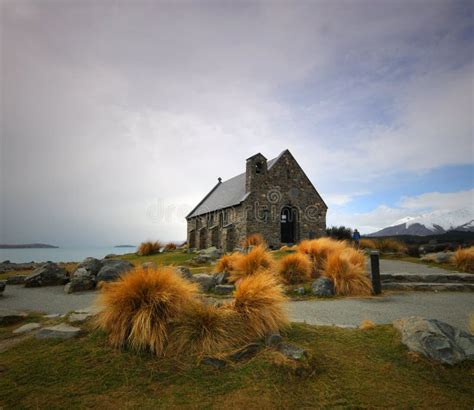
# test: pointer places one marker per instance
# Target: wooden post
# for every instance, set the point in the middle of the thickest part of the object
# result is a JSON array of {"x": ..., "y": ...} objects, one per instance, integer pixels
[{"x": 375, "y": 266}]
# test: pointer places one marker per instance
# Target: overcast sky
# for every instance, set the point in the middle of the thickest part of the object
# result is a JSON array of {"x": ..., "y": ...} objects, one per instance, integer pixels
[{"x": 118, "y": 117}]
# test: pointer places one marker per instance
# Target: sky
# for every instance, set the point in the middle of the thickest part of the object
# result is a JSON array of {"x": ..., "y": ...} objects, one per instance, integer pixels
[{"x": 117, "y": 117}]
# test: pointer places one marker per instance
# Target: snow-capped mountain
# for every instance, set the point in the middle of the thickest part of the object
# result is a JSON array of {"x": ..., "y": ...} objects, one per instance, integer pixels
[{"x": 436, "y": 222}]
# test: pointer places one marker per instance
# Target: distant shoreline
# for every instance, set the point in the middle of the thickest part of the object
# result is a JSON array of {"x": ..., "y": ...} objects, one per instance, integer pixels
[
  {"x": 28, "y": 246},
  {"x": 124, "y": 246}
]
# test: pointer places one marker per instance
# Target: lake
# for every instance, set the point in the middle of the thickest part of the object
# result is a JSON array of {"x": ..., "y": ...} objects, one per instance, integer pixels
[{"x": 65, "y": 254}]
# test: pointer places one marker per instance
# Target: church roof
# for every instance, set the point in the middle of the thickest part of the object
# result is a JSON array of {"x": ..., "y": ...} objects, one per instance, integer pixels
[{"x": 226, "y": 194}]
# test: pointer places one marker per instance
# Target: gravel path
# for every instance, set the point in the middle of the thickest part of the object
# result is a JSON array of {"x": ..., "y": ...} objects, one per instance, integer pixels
[{"x": 394, "y": 266}]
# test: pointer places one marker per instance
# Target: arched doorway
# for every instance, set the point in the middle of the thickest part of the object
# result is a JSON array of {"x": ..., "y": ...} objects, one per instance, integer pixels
[{"x": 288, "y": 225}]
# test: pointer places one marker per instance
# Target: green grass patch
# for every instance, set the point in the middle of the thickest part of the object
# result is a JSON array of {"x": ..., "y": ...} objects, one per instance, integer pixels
[
  {"x": 349, "y": 368},
  {"x": 175, "y": 258}
]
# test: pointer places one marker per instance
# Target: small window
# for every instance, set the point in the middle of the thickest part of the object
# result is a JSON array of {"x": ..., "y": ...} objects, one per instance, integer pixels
[
  {"x": 210, "y": 220},
  {"x": 258, "y": 168},
  {"x": 226, "y": 217}
]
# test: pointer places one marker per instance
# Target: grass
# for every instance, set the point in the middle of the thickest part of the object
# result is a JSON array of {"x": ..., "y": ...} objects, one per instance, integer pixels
[
  {"x": 349, "y": 368},
  {"x": 295, "y": 268},
  {"x": 464, "y": 259},
  {"x": 149, "y": 248},
  {"x": 175, "y": 258}
]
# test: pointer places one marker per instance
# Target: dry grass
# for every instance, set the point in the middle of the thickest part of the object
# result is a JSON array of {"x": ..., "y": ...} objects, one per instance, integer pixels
[
  {"x": 366, "y": 325},
  {"x": 368, "y": 244},
  {"x": 355, "y": 256},
  {"x": 391, "y": 245},
  {"x": 249, "y": 264},
  {"x": 318, "y": 251},
  {"x": 227, "y": 262},
  {"x": 149, "y": 248},
  {"x": 254, "y": 239},
  {"x": 463, "y": 259},
  {"x": 349, "y": 279},
  {"x": 295, "y": 268},
  {"x": 170, "y": 246},
  {"x": 138, "y": 308},
  {"x": 259, "y": 301}
]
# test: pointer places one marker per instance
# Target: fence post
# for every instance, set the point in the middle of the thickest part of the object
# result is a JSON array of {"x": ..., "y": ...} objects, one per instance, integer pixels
[{"x": 375, "y": 267}]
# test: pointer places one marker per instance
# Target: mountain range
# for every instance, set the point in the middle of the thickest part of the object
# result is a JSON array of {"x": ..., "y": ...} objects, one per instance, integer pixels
[{"x": 436, "y": 222}]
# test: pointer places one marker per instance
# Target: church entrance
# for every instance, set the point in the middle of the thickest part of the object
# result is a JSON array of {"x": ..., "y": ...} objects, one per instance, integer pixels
[{"x": 288, "y": 225}]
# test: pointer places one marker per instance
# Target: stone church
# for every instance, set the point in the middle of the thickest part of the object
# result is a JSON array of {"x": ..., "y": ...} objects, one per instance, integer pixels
[{"x": 274, "y": 198}]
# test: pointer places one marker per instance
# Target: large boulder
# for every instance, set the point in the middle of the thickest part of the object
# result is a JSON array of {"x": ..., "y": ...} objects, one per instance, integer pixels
[
  {"x": 81, "y": 280},
  {"x": 211, "y": 252},
  {"x": 205, "y": 281},
  {"x": 90, "y": 264},
  {"x": 61, "y": 331},
  {"x": 50, "y": 274},
  {"x": 435, "y": 339},
  {"x": 224, "y": 289},
  {"x": 221, "y": 278},
  {"x": 16, "y": 280},
  {"x": 112, "y": 269},
  {"x": 184, "y": 272},
  {"x": 322, "y": 287}
]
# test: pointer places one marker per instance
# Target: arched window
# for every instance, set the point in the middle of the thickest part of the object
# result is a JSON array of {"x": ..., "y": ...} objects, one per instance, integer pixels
[{"x": 258, "y": 168}]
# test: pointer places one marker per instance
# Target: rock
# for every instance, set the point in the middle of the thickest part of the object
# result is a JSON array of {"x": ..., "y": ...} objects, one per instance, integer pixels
[
  {"x": 9, "y": 317},
  {"x": 224, "y": 289},
  {"x": 29, "y": 327},
  {"x": 16, "y": 280},
  {"x": 435, "y": 339},
  {"x": 110, "y": 256},
  {"x": 79, "y": 317},
  {"x": 211, "y": 252},
  {"x": 82, "y": 279},
  {"x": 3, "y": 284},
  {"x": 61, "y": 331},
  {"x": 50, "y": 274},
  {"x": 322, "y": 287},
  {"x": 184, "y": 272},
  {"x": 438, "y": 257},
  {"x": 52, "y": 316},
  {"x": 273, "y": 339},
  {"x": 221, "y": 278},
  {"x": 112, "y": 269},
  {"x": 205, "y": 281},
  {"x": 291, "y": 351},
  {"x": 214, "y": 362},
  {"x": 244, "y": 353},
  {"x": 90, "y": 264},
  {"x": 202, "y": 259}
]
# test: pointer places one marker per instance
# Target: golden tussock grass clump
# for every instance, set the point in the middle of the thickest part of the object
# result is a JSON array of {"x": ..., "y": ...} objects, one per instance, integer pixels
[
  {"x": 170, "y": 246},
  {"x": 295, "y": 268},
  {"x": 367, "y": 244},
  {"x": 366, "y": 325},
  {"x": 259, "y": 301},
  {"x": 355, "y": 256},
  {"x": 248, "y": 264},
  {"x": 463, "y": 259},
  {"x": 318, "y": 251},
  {"x": 205, "y": 329},
  {"x": 227, "y": 262},
  {"x": 349, "y": 279},
  {"x": 148, "y": 248},
  {"x": 254, "y": 239},
  {"x": 138, "y": 308},
  {"x": 391, "y": 245}
]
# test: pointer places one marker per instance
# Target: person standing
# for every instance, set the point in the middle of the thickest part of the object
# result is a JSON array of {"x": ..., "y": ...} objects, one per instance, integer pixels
[{"x": 356, "y": 238}]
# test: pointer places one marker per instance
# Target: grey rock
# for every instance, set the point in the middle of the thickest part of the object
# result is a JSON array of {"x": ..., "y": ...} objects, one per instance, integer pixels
[
  {"x": 29, "y": 327},
  {"x": 224, "y": 289},
  {"x": 16, "y": 280},
  {"x": 322, "y": 287},
  {"x": 110, "y": 256},
  {"x": 205, "y": 281},
  {"x": 112, "y": 269},
  {"x": 79, "y": 317},
  {"x": 273, "y": 339},
  {"x": 424, "y": 286},
  {"x": 438, "y": 257},
  {"x": 211, "y": 252},
  {"x": 291, "y": 351},
  {"x": 184, "y": 272},
  {"x": 214, "y": 362},
  {"x": 435, "y": 339},
  {"x": 9, "y": 317},
  {"x": 52, "y": 316},
  {"x": 3, "y": 284},
  {"x": 221, "y": 278},
  {"x": 82, "y": 279},
  {"x": 61, "y": 331},
  {"x": 50, "y": 274},
  {"x": 90, "y": 264},
  {"x": 246, "y": 352},
  {"x": 202, "y": 259}
]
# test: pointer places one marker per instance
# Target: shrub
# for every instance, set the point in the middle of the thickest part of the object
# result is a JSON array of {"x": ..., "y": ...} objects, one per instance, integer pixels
[
  {"x": 391, "y": 245},
  {"x": 148, "y": 248},
  {"x": 295, "y": 268},
  {"x": 259, "y": 301},
  {"x": 463, "y": 259},
  {"x": 318, "y": 251},
  {"x": 367, "y": 244},
  {"x": 227, "y": 262},
  {"x": 349, "y": 279},
  {"x": 339, "y": 233},
  {"x": 138, "y": 308},
  {"x": 170, "y": 246},
  {"x": 254, "y": 239},
  {"x": 354, "y": 256},
  {"x": 249, "y": 264}
]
